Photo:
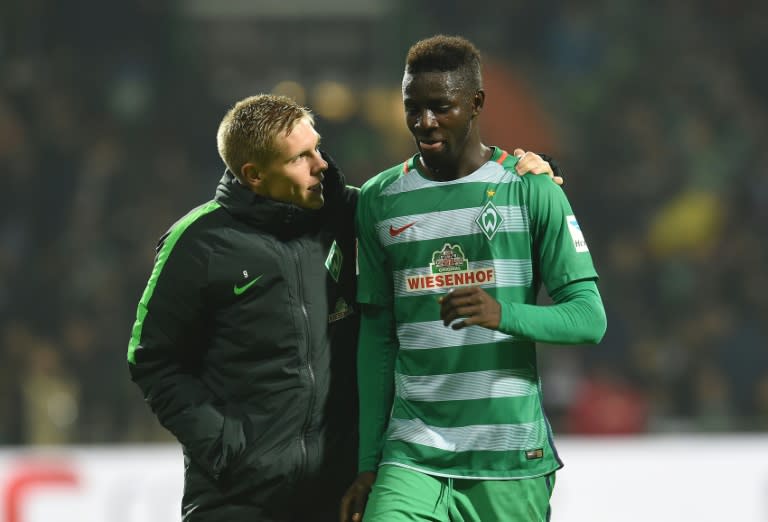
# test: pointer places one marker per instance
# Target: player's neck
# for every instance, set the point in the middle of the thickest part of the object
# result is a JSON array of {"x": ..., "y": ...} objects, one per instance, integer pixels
[{"x": 472, "y": 158}]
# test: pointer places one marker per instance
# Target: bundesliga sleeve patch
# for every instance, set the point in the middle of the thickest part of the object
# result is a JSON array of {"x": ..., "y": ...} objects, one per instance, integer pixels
[{"x": 578, "y": 238}]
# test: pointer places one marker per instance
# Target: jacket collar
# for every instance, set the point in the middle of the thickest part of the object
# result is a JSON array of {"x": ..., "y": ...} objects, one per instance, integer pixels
[{"x": 285, "y": 219}]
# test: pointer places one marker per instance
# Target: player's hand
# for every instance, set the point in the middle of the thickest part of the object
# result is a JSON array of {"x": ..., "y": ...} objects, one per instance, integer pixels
[
  {"x": 334, "y": 178},
  {"x": 474, "y": 304},
  {"x": 354, "y": 500},
  {"x": 532, "y": 163}
]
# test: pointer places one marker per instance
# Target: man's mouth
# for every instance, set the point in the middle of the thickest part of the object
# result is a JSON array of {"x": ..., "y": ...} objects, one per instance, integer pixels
[
  {"x": 431, "y": 145},
  {"x": 317, "y": 188}
]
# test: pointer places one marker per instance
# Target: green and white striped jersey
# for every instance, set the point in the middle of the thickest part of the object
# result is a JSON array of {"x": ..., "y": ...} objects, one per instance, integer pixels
[{"x": 468, "y": 402}]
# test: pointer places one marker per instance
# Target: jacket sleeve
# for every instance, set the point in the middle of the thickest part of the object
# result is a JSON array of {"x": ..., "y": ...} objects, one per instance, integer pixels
[{"x": 165, "y": 348}]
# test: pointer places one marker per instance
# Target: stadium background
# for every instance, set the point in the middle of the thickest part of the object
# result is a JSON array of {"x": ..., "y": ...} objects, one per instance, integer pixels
[{"x": 657, "y": 113}]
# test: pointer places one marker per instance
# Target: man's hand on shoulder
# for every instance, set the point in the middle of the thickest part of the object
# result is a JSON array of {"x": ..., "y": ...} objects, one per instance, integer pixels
[{"x": 532, "y": 163}]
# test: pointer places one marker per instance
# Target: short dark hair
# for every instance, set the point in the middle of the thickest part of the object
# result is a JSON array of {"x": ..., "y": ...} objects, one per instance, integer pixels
[{"x": 441, "y": 53}]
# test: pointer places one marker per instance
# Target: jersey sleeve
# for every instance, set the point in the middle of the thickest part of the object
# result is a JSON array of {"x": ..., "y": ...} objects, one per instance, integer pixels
[
  {"x": 560, "y": 249},
  {"x": 377, "y": 351},
  {"x": 577, "y": 317},
  {"x": 374, "y": 278}
]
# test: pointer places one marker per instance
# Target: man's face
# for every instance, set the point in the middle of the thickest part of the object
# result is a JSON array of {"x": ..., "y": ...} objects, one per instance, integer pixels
[
  {"x": 296, "y": 174},
  {"x": 439, "y": 110}
]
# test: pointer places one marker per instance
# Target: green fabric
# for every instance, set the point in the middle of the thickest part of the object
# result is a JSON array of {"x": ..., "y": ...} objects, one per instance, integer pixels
[
  {"x": 577, "y": 316},
  {"x": 160, "y": 259},
  {"x": 400, "y": 494},
  {"x": 463, "y": 403},
  {"x": 377, "y": 350}
]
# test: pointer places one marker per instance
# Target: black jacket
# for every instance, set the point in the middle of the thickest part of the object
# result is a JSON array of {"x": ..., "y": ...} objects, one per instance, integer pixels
[{"x": 244, "y": 347}]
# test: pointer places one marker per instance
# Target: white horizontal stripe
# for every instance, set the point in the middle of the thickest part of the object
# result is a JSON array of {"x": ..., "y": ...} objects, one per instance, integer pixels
[
  {"x": 465, "y": 386},
  {"x": 432, "y": 334},
  {"x": 442, "y": 223},
  {"x": 490, "y": 172},
  {"x": 434, "y": 473},
  {"x": 506, "y": 273},
  {"x": 479, "y": 437}
]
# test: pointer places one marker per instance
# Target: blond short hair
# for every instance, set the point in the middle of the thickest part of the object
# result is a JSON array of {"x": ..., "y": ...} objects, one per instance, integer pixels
[{"x": 249, "y": 130}]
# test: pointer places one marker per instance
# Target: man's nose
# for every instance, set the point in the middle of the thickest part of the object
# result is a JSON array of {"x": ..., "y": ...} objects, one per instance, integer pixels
[
  {"x": 426, "y": 119},
  {"x": 321, "y": 163}
]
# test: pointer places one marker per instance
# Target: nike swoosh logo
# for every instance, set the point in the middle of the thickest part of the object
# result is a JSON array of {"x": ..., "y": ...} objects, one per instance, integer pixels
[
  {"x": 240, "y": 289},
  {"x": 397, "y": 231}
]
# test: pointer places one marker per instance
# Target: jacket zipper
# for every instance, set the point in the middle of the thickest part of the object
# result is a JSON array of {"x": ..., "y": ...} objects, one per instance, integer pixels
[{"x": 307, "y": 421}]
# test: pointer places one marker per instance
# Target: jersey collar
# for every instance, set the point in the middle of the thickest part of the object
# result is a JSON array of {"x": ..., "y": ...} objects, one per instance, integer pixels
[{"x": 497, "y": 154}]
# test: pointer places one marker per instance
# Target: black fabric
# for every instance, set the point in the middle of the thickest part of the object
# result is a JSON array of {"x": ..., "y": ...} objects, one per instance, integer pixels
[
  {"x": 258, "y": 387},
  {"x": 552, "y": 163}
]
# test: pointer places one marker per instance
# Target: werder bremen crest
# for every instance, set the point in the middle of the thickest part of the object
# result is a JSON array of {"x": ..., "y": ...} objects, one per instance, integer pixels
[
  {"x": 333, "y": 261},
  {"x": 489, "y": 220},
  {"x": 448, "y": 259}
]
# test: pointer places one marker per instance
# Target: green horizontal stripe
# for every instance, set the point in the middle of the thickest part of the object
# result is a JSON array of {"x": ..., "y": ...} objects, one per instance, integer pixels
[
  {"x": 514, "y": 355},
  {"x": 417, "y": 309},
  {"x": 527, "y": 295},
  {"x": 509, "y": 245}
]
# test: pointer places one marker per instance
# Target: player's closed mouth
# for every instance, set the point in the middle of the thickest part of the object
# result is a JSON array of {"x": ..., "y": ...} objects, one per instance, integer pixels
[{"x": 430, "y": 145}]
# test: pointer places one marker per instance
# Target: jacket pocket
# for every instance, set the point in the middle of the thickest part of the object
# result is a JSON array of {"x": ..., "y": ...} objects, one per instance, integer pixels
[
  {"x": 236, "y": 437},
  {"x": 262, "y": 473}
]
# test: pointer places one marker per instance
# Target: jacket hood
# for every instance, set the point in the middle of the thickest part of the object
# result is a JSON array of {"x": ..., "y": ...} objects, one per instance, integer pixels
[{"x": 276, "y": 216}]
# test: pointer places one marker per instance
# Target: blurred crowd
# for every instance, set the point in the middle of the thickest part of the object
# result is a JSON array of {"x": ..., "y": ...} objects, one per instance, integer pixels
[{"x": 658, "y": 115}]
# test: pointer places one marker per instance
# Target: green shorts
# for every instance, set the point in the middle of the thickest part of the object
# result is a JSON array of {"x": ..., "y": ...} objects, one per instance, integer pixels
[{"x": 401, "y": 494}]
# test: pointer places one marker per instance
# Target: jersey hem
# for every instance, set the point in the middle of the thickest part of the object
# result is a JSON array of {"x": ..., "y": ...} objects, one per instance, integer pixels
[{"x": 427, "y": 471}]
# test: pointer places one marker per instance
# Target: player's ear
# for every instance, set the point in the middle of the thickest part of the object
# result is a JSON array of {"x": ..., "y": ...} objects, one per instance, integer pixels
[
  {"x": 478, "y": 100},
  {"x": 251, "y": 176}
]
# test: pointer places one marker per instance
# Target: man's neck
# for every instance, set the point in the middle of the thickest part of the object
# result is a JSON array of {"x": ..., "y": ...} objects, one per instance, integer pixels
[{"x": 471, "y": 160}]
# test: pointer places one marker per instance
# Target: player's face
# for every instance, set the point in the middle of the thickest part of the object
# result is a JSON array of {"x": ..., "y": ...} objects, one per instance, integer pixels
[
  {"x": 439, "y": 112},
  {"x": 296, "y": 174}
]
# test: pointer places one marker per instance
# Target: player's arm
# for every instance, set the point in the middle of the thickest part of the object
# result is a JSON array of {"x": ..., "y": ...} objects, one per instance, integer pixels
[
  {"x": 577, "y": 317},
  {"x": 164, "y": 340},
  {"x": 377, "y": 344},
  {"x": 563, "y": 260},
  {"x": 377, "y": 350}
]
